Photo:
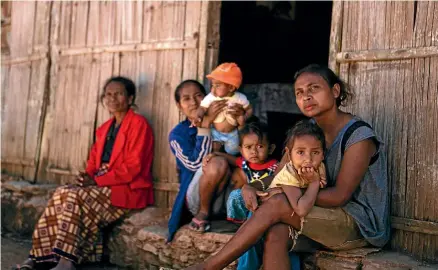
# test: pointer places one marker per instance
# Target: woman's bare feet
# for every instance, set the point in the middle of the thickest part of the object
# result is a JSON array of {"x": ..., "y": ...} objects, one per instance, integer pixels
[{"x": 64, "y": 264}]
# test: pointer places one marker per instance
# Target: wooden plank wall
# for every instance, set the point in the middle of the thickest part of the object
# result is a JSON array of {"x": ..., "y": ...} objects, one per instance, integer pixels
[
  {"x": 24, "y": 84},
  {"x": 400, "y": 99},
  {"x": 154, "y": 43}
]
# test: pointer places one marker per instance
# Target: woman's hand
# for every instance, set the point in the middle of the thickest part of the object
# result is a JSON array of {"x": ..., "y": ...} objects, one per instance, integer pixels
[
  {"x": 215, "y": 108},
  {"x": 103, "y": 169},
  {"x": 237, "y": 111},
  {"x": 84, "y": 180}
]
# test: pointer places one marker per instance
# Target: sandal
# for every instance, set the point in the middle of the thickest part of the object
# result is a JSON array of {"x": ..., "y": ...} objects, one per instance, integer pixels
[{"x": 200, "y": 226}]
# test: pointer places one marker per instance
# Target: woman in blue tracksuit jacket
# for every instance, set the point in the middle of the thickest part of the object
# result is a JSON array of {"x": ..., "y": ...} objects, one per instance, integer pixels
[{"x": 203, "y": 189}]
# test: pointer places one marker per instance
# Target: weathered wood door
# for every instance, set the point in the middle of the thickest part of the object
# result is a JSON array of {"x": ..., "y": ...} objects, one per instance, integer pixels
[
  {"x": 157, "y": 44},
  {"x": 24, "y": 72},
  {"x": 388, "y": 53}
]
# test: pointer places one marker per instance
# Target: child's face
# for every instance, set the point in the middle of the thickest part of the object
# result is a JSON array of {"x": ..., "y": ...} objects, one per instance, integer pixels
[
  {"x": 254, "y": 150},
  {"x": 306, "y": 152},
  {"x": 220, "y": 89}
]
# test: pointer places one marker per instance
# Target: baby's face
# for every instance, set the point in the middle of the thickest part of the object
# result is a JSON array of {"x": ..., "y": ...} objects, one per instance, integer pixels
[
  {"x": 306, "y": 152},
  {"x": 220, "y": 89}
]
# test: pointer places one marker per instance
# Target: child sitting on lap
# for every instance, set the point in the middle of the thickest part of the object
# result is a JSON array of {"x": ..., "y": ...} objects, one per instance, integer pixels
[
  {"x": 303, "y": 146},
  {"x": 225, "y": 80},
  {"x": 254, "y": 165}
]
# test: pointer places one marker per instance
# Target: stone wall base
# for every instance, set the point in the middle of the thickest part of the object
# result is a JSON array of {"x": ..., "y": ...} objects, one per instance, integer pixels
[{"x": 139, "y": 241}]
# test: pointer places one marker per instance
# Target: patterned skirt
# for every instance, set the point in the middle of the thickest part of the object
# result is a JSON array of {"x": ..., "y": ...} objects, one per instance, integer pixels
[
  {"x": 236, "y": 209},
  {"x": 71, "y": 224}
]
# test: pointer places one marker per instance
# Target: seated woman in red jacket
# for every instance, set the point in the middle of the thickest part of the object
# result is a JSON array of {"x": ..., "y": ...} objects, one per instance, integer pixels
[{"x": 117, "y": 178}]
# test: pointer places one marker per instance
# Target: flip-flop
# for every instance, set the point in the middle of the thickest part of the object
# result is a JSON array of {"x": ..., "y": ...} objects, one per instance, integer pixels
[{"x": 200, "y": 226}]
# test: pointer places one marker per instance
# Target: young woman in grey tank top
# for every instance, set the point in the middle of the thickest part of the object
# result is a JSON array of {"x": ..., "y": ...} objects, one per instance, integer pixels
[{"x": 353, "y": 211}]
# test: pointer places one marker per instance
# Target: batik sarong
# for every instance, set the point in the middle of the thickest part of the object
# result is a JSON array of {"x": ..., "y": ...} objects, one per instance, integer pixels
[{"x": 71, "y": 224}]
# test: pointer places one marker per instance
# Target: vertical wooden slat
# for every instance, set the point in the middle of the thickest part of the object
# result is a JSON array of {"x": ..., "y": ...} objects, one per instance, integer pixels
[
  {"x": 203, "y": 41},
  {"x": 213, "y": 39},
  {"x": 335, "y": 34},
  {"x": 433, "y": 90},
  {"x": 55, "y": 22},
  {"x": 79, "y": 24}
]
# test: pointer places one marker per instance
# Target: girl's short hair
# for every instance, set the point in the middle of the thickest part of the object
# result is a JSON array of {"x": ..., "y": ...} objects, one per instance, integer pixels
[
  {"x": 302, "y": 128},
  {"x": 127, "y": 83},
  {"x": 180, "y": 86},
  {"x": 254, "y": 126},
  {"x": 345, "y": 95}
]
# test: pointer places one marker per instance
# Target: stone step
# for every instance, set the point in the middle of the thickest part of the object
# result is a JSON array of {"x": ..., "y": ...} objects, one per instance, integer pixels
[
  {"x": 139, "y": 244},
  {"x": 143, "y": 246}
]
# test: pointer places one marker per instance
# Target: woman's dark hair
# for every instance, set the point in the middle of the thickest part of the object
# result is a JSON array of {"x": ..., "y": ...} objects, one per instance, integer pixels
[
  {"x": 185, "y": 83},
  {"x": 127, "y": 83},
  {"x": 254, "y": 126},
  {"x": 302, "y": 128},
  {"x": 331, "y": 78}
]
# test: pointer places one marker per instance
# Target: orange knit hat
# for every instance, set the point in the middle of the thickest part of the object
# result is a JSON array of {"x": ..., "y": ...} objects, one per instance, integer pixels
[{"x": 227, "y": 73}]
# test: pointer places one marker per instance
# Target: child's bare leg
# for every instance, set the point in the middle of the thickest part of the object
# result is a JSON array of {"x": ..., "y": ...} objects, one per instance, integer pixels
[
  {"x": 217, "y": 146},
  {"x": 277, "y": 209}
]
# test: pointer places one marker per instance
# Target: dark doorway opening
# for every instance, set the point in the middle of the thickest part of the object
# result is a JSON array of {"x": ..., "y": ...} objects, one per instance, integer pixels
[
  {"x": 279, "y": 124},
  {"x": 270, "y": 41}
]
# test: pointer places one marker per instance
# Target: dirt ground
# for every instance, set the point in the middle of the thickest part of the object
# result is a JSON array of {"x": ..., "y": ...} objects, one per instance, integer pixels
[{"x": 15, "y": 250}]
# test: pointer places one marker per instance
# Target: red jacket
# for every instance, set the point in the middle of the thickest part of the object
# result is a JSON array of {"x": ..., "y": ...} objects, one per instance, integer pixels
[{"x": 129, "y": 174}]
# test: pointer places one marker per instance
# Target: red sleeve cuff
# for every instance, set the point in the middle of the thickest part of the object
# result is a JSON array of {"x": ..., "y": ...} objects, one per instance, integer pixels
[{"x": 239, "y": 162}]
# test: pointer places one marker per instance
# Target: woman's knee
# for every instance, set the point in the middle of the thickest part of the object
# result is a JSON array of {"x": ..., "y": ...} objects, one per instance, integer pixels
[{"x": 279, "y": 204}]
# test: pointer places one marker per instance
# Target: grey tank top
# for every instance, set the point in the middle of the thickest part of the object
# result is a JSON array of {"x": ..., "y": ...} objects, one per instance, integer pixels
[{"x": 369, "y": 205}]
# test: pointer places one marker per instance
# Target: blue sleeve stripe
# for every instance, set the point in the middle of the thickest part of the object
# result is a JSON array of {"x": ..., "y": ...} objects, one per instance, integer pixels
[{"x": 196, "y": 164}]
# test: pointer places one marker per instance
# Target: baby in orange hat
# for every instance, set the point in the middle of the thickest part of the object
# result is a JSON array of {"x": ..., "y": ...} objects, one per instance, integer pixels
[{"x": 225, "y": 80}]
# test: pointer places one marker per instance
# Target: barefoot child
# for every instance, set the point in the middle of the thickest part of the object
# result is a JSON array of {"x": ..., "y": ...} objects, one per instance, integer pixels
[{"x": 225, "y": 80}]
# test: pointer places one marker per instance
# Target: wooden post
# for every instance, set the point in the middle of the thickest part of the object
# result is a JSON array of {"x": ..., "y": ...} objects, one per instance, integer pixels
[{"x": 335, "y": 34}]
